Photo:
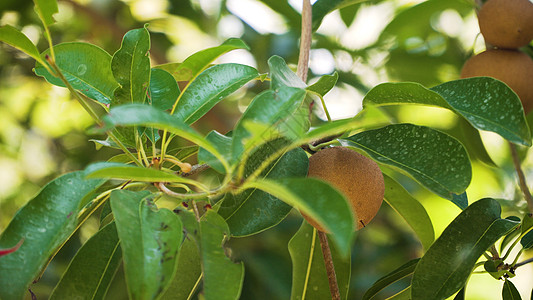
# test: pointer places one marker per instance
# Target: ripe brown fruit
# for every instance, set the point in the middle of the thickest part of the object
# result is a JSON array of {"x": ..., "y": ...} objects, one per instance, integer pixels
[
  {"x": 507, "y": 23},
  {"x": 513, "y": 67},
  {"x": 356, "y": 176}
]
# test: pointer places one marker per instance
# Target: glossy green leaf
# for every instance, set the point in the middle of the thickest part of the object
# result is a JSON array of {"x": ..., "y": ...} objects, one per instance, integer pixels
[
  {"x": 252, "y": 210},
  {"x": 474, "y": 144},
  {"x": 199, "y": 61},
  {"x": 44, "y": 223},
  {"x": 150, "y": 240},
  {"x": 510, "y": 237},
  {"x": 460, "y": 295},
  {"x": 403, "y": 295},
  {"x": 222, "y": 277},
  {"x": 222, "y": 143},
  {"x": 460, "y": 200},
  {"x": 487, "y": 103},
  {"x": 91, "y": 271},
  {"x": 527, "y": 222},
  {"x": 281, "y": 75},
  {"x": 318, "y": 200},
  {"x": 186, "y": 282},
  {"x": 113, "y": 170},
  {"x": 210, "y": 87},
  {"x": 17, "y": 39},
  {"x": 274, "y": 110},
  {"x": 86, "y": 67},
  {"x": 509, "y": 291},
  {"x": 46, "y": 10},
  {"x": 324, "y": 84},
  {"x": 145, "y": 115},
  {"x": 446, "y": 266},
  {"x": 435, "y": 159},
  {"x": 163, "y": 90},
  {"x": 309, "y": 277},
  {"x": 411, "y": 211},
  {"x": 189, "y": 273},
  {"x": 399, "y": 273},
  {"x": 527, "y": 240},
  {"x": 131, "y": 67}
]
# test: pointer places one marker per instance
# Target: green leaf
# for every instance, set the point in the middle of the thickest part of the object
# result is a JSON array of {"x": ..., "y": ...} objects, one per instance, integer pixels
[
  {"x": 511, "y": 236},
  {"x": 17, "y": 39},
  {"x": 460, "y": 200},
  {"x": 527, "y": 240},
  {"x": 86, "y": 67},
  {"x": 163, "y": 89},
  {"x": 253, "y": 210},
  {"x": 527, "y": 222},
  {"x": 474, "y": 144},
  {"x": 122, "y": 171},
  {"x": 199, "y": 61},
  {"x": 150, "y": 240},
  {"x": 509, "y": 291},
  {"x": 189, "y": 273},
  {"x": 281, "y": 75},
  {"x": 324, "y": 84},
  {"x": 222, "y": 278},
  {"x": 131, "y": 67},
  {"x": 399, "y": 273},
  {"x": 274, "y": 111},
  {"x": 446, "y": 266},
  {"x": 435, "y": 159},
  {"x": 91, "y": 271},
  {"x": 323, "y": 7},
  {"x": 44, "y": 223},
  {"x": 221, "y": 143},
  {"x": 461, "y": 294},
  {"x": 487, "y": 103},
  {"x": 411, "y": 211},
  {"x": 309, "y": 276},
  {"x": 318, "y": 200},
  {"x": 145, "y": 115},
  {"x": 403, "y": 295},
  {"x": 46, "y": 9},
  {"x": 210, "y": 87}
]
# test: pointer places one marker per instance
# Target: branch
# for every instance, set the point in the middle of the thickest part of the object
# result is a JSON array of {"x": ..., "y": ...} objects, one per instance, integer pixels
[
  {"x": 305, "y": 41},
  {"x": 521, "y": 177},
  {"x": 330, "y": 268}
]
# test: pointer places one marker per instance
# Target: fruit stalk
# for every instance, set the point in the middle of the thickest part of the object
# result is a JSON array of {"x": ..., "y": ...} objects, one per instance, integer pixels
[{"x": 330, "y": 268}]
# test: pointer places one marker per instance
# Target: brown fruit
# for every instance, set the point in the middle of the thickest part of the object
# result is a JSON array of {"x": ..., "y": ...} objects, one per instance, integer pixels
[
  {"x": 356, "y": 176},
  {"x": 513, "y": 67},
  {"x": 507, "y": 23}
]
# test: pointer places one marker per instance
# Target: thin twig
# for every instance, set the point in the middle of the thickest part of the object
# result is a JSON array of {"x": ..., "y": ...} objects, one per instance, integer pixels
[
  {"x": 305, "y": 41},
  {"x": 196, "y": 169},
  {"x": 330, "y": 268},
  {"x": 527, "y": 261},
  {"x": 162, "y": 187},
  {"x": 521, "y": 177}
]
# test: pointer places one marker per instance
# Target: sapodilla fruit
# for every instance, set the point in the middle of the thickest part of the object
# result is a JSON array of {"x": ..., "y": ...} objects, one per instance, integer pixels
[
  {"x": 513, "y": 67},
  {"x": 356, "y": 176},
  {"x": 507, "y": 23}
]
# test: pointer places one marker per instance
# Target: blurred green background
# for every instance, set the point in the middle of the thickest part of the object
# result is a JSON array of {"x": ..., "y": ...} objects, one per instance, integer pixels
[{"x": 42, "y": 130}]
